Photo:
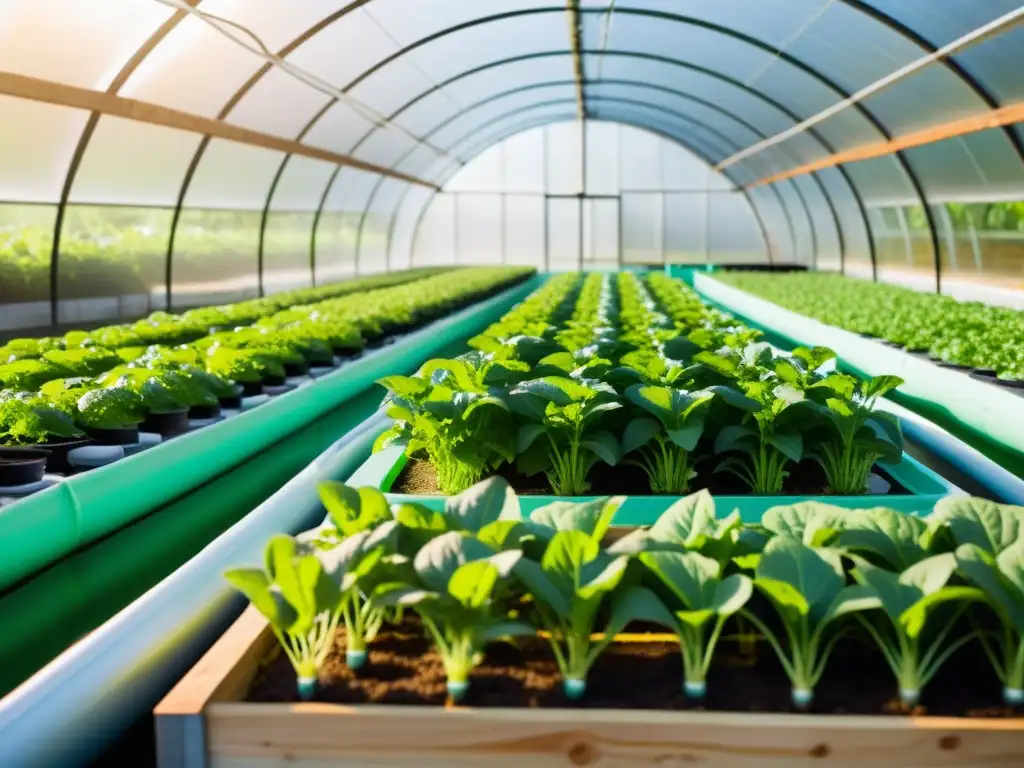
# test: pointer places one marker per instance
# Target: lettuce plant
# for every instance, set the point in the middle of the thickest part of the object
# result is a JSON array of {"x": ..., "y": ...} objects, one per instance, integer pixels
[
  {"x": 569, "y": 586},
  {"x": 702, "y": 599},
  {"x": 107, "y": 408},
  {"x": 31, "y": 421},
  {"x": 807, "y": 588},
  {"x": 302, "y": 595},
  {"x": 562, "y": 436},
  {"x": 463, "y": 426},
  {"x": 1001, "y": 580},
  {"x": 858, "y": 436},
  {"x": 666, "y": 439},
  {"x": 908, "y": 600},
  {"x": 451, "y": 585}
]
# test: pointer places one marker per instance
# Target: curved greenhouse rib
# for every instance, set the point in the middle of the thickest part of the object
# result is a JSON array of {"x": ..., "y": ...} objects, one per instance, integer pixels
[
  {"x": 700, "y": 153},
  {"x": 115, "y": 86}
]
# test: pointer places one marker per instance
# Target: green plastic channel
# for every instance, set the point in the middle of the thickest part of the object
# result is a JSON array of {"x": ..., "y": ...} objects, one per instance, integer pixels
[
  {"x": 51, "y": 524},
  {"x": 985, "y": 416},
  {"x": 74, "y": 596},
  {"x": 925, "y": 488}
]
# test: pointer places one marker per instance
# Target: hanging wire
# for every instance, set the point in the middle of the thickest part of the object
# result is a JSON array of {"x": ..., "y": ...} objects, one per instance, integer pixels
[
  {"x": 964, "y": 41},
  {"x": 258, "y": 47}
]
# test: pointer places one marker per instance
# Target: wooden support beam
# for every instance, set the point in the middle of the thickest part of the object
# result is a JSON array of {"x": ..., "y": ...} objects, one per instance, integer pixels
[
  {"x": 995, "y": 118},
  {"x": 62, "y": 94},
  {"x": 576, "y": 43}
]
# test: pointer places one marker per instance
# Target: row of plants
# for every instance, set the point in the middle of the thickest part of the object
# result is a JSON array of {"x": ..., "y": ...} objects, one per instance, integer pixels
[
  {"x": 105, "y": 383},
  {"x": 617, "y": 370},
  {"x": 807, "y": 579},
  {"x": 966, "y": 334}
]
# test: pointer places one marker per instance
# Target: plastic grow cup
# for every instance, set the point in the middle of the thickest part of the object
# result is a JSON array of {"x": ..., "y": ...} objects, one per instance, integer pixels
[
  {"x": 306, "y": 687},
  {"x": 355, "y": 659},
  {"x": 574, "y": 688},
  {"x": 910, "y": 696},
  {"x": 695, "y": 690},
  {"x": 22, "y": 466},
  {"x": 457, "y": 689},
  {"x": 1013, "y": 696},
  {"x": 802, "y": 698}
]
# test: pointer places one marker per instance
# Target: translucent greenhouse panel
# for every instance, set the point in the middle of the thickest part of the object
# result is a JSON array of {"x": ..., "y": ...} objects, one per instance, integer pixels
[
  {"x": 826, "y": 257},
  {"x": 734, "y": 236},
  {"x": 411, "y": 209},
  {"x": 601, "y": 235},
  {"x": 777, "y": 224},
  {"x": 233, "y": 176},
  {"x": 302, "y": 184},
  {"x": 978, "y": 166},
  {"x": 435, "y": 236},
  {"x": 602, "y": 158},
  {"x": 798, "y": 221},
  {"x": 336, "y": 235},
  {"x": 408, "y": 23},
  {"x": 479, "y": 85},
  {"x": 26, "y": 241},
  {"x": 390, "y": 88},
  {"x": 347, "y": 197},
  {"x": 278, "y": 104},
  {"x": 215, "y": 257},
  {"x": 525, "y": 230},
  {"x": 375, "y": 239},
  {"x": 643, "y": 236},
  {"x": 524, "y": 161},
  {"x": 982, "y": 250},
  {"x": 286, "y": 262},
  {"x": 128, "y": 161},
  {"x": 112, "y": 262},
  {"x": 483, "y": 173},
  {"x": 564, "y": 241},
  {"x": 682, "y": 170},
  {"x": 686, "y": 227},
  {"x": 479, "y": 229},
  {"x": 177, "y": 73},
  {"x": 857, "y": 260},
  {"x": 340, "y": 129},
  {"x": 92, "y": 39},
  {"x": 882, "y": 182},
  {"x": 639, "y": 159},
  {"x": 385, "y": 147},
  {"x": 563, "y": 157},
  {"x": 36, "y": 144}
]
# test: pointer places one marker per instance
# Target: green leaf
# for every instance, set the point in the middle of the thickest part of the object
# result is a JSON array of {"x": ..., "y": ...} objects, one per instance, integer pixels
[
  {"x": 735, "y": 398},
  {"x": 601, "y": 575},
  {"x": 641, "y": 604},
  {"x": 687, "y": 436},
  {"x": 406, "y": 386},
  {"x": 913, "y": 620},
  {"x": 790, "y": 445},
  {"x": 878, "y": 386},
  {"x": 473, "y": 584},
  {"x": 590, "y": 517},
  {"x": 527, "y": 434},
  {"x": 687, "y": 521},
  {"x": 856, "y": 597},
  {"x": 420, "y": 517},
  {"x": 503, "y": 534},
  {"x": 604, "y": 445},
  {"x": 554, "y": 389},
  {"x": 734, "y": 438},
  {"x": 254, "y": 584},
  {"x": 731, "y": 594},
  {"x": 554, "y": 589},
  {"x": 810, "y": 522},
  {"x": 1002, "y": 581},
  {"x": 896, "y": 538},
  {"x": 690, "y": 576},
  {"x": 438, "y": 560},
  {"x": 487, "y": 501},
  {"x": 639, "y": 432},
  {"x": 991, "y": 526},
  {"x": 815, "y": 574}
]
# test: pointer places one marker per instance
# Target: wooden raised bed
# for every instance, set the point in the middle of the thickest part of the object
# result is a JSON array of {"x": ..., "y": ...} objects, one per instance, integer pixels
[{"x": 204, "y": 722}]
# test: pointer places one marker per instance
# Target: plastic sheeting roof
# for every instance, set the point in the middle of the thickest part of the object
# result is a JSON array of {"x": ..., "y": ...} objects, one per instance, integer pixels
[{"x": 453, "y": 76}]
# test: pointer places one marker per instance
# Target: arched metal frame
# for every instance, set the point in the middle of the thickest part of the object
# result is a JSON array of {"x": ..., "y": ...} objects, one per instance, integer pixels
[
  {"x": 824, "y": 143},
  {"x": 686, "y": 143},
  {"x": 129, "y": 68},
  {"x": 569, "y": 115}
]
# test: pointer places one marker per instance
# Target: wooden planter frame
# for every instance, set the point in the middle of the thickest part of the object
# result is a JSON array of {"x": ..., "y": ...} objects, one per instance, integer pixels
[{"x": 204, "y": 722}]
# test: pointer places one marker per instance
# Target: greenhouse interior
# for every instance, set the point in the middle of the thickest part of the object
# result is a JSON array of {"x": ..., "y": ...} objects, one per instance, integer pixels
[{"x": 449, "y": 383}]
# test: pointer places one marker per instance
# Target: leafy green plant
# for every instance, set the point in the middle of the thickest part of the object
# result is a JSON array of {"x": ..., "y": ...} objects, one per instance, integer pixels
[
  {"x": 665, "y": 442},
  {"x": 860, "y": 436},
  {"x": 451, "y": 585},
  {"x": 108, "y": 408},
  {"x": 908, "y": 600},
  {"x": 30, "y": 421},
  {"x": 807, "y": 588},
  {"x": 569, "y": 585},
  {"x": 703, "y": 598},
  {"x": 462, "y": 425},
  {"x": 303, "y": 595},
  {"x": 563, "y": 436}
]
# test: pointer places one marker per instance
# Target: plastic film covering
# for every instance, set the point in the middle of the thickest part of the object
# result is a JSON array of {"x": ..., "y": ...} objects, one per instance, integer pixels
[{"x": 427, "y": 86}]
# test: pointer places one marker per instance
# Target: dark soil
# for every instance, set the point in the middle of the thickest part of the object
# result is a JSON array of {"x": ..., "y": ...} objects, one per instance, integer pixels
[
  {"x": 403, "y": 668},
  {"x": 806, "y": 479}
]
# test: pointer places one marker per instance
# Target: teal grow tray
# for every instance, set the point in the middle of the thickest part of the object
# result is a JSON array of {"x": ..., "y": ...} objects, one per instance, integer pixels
[{"x": 925, "y": 486}]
